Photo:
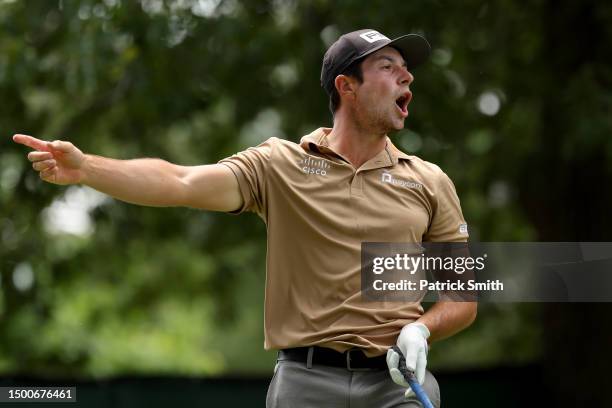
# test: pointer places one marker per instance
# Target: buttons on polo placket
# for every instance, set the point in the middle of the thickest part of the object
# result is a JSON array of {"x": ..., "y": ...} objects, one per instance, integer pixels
[{"x": 357, "y": 184}]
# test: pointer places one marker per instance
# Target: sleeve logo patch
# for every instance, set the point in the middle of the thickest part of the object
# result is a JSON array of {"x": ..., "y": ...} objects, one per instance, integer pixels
[{"x": 463, "y": 229}]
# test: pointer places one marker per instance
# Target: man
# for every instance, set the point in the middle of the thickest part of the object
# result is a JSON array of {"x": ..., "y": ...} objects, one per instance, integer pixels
[{"x": 320, "y": 200}]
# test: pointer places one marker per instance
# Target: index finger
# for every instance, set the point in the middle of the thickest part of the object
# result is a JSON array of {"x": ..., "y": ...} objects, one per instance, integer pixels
[{"x": 31, "y": 142}]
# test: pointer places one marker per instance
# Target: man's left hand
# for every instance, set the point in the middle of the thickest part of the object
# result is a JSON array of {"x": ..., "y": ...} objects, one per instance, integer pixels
[{"x": 412, "y": 341}]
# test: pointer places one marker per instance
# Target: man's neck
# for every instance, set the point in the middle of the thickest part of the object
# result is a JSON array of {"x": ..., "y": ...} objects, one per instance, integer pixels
[{"x": 354, "y": 143}]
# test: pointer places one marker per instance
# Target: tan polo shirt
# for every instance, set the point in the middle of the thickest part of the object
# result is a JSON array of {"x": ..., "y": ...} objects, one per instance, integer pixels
[{"x": 318, "y": 209}]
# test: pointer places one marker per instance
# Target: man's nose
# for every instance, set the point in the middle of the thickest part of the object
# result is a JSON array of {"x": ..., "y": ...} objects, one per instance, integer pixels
[{"x": 406, "y": 77}]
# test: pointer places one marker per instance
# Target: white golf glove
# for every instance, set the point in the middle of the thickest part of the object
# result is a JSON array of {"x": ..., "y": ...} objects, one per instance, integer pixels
[{"x": 412, "y": 341}]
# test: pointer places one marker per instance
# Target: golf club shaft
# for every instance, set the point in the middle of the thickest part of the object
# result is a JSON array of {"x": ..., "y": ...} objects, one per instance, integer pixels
[
  {"x": 418, "y": 390},
  {"x": 412, "y": 380}
]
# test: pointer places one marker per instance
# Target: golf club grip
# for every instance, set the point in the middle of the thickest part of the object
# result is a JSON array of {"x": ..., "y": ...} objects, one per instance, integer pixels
[{"x": 412, "y": 380}]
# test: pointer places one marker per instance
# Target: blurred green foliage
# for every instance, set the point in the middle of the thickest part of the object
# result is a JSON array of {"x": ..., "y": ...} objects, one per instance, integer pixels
[{"x": 515, "y": 106}]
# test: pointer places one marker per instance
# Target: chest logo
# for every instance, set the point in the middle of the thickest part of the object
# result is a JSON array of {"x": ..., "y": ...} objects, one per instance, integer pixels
[
  {"x": 388, "y": 178},
  {"x": 309, "y": 165}
]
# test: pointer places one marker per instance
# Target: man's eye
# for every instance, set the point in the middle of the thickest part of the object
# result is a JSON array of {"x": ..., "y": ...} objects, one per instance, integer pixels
[{"x": 386, "y": 66}]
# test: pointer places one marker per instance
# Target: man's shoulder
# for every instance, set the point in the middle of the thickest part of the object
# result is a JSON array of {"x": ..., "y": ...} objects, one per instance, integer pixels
[
  {"x": 287, "y": 144},
  {"x": 425, "y": 168},
  {"x": 274, "y": 143},
  {"x": 284, "y": 147},
  {"x": 274, "y": 151}
]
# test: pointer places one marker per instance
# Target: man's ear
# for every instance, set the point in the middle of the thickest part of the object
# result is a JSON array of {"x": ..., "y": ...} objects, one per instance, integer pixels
[{"x": 345, "y": 85}]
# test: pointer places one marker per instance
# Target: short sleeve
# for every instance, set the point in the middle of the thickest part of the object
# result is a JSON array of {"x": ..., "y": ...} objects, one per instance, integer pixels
[
  {"x": 447, "y": 222},
  {"x": 250, "y": 168}
]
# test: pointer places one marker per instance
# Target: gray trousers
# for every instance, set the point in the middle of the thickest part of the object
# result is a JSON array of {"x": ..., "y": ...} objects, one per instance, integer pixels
[{"x": 296, "y": 386}]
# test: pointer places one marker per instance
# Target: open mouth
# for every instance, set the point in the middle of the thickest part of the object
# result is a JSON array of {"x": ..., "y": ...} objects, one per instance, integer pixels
[{"x": 403, "y": 101}]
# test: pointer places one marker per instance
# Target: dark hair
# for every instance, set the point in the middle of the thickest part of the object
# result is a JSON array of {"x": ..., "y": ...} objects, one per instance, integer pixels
[{"x": 353, "y": 70}]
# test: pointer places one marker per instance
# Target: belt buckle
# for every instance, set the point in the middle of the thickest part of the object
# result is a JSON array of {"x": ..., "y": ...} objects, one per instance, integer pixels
[{"x": 348, "y": 362}]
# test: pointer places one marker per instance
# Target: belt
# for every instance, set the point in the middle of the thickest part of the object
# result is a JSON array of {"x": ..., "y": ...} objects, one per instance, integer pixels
[{"x": 352, "y": 359}]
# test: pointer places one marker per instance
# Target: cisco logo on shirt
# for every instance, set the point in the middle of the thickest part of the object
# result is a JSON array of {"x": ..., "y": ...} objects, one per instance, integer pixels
[{"x": 310, "y": 166}]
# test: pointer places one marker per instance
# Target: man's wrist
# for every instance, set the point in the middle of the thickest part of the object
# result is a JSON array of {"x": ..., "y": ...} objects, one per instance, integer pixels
[
  {"x": 85, "y": 169},
  {"x": 421, "y": 327}
]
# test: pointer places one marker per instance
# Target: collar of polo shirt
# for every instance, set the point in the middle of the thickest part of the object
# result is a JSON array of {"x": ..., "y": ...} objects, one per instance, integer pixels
[{"x": 317, "y": 141}]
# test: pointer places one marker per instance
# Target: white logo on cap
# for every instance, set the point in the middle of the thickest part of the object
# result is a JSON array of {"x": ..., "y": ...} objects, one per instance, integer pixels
[{"x": 373, "y": 36}]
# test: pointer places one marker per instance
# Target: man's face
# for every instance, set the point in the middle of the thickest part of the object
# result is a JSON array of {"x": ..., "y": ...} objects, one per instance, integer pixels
[{"x": 381, "y": 100}]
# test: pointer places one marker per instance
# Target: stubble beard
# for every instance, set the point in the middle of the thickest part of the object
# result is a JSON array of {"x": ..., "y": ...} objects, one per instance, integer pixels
[{"x": 381, "y": 121}]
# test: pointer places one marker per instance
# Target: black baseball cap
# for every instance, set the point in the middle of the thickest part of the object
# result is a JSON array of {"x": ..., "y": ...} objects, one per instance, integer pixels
[{"x": 358, "y": 44}]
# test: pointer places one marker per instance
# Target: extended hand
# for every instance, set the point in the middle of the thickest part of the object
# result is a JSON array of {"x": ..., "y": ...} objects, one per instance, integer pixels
[
  {"x": 57, "y": 162},
  {"x": 412, "y": 341}
]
